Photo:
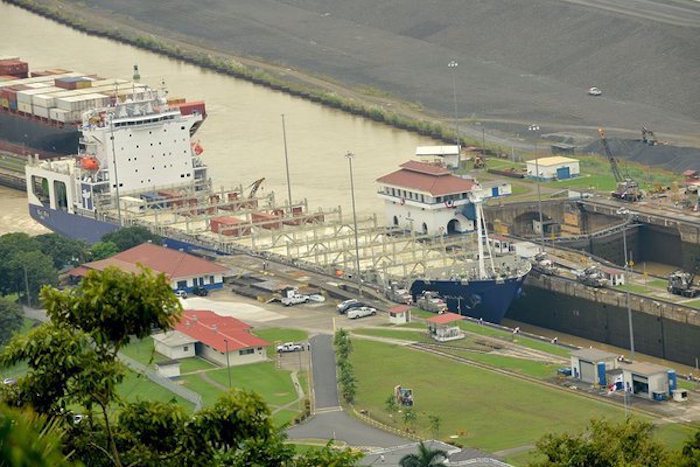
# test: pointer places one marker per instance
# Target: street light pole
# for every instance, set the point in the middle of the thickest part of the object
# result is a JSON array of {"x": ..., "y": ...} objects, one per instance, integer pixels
[
  {"x": 539, "y": 197},
  {"x": 349, "y": 156},
  {"x": 629, "y": 309},
  {"x": 26, "y": 286},
  {"x": 453, "y": 66},
  {"x": 286, "y": 164},
  {"x": 228, "y": 364}
]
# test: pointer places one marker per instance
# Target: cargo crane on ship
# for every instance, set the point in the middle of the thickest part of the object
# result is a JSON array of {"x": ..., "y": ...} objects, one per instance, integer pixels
[{"x": 627, "y": 189}]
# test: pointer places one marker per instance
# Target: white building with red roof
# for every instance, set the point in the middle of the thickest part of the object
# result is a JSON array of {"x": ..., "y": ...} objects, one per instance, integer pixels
[
  {"x": 184, "y": 271},
  {"x": 220, "y": 339},
  {"x": 427, "y": 198}
]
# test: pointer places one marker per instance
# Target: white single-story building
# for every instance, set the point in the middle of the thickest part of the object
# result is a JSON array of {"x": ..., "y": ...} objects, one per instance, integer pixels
[
  {"x": 222, "y": 339},
  {"x": 614, "y": 276},
  {"x": 185, "y": 271},
  {"x": 649, "y": 380},
  {"x": 494, "y": 189},
  {"x": 500, "y": 244},
  {"x": 525, "y": 249},
  {"x": 449, "y": 156},
  {"x": 445, "y": 327},
  {"x": 400, "y": 314},
  {"x": 174, "y": 344},
  {"x": 553, "y": 168},
  {"x": 591, "y": 365},
  {"x": 168, "y": 368}
]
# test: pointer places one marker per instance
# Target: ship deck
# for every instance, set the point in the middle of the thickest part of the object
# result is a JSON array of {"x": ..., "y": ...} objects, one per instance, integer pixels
[{"x": 322, "y": 240}]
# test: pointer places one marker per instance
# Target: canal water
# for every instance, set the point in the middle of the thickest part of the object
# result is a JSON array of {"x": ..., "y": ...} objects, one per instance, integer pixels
[{"x": 242, "y": 136}]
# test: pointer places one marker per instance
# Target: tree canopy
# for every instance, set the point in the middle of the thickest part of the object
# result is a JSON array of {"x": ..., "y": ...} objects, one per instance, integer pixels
[
  {"x": 129, "y": 237},
  {"x": 63, "y": 250},
  {"x": 20, "y": 253},
  {"x": 425, "y": 457},
  {"x": 72, "y": 365},
  {"x": 10, "y": 319}
]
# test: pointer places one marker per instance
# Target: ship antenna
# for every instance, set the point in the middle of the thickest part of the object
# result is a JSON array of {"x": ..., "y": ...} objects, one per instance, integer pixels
[{"x": 476, "y": 200}]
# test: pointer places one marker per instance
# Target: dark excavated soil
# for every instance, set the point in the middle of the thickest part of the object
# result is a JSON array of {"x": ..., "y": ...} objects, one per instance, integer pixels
[
  {"x": 674, "y": 158},
  {"x": 519, "y": 60}
]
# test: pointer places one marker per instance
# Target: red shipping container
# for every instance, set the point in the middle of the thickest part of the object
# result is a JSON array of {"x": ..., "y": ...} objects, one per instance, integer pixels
[
  {"x": 16, "y": 68},
  {"x": 266, "y": 221},
  {"x": 189, "y": 108},
  {"x": 229, "y": 226}
]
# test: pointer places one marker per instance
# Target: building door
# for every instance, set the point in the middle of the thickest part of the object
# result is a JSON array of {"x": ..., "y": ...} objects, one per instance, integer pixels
[
  {"x": 563, "y": 173},
  {"x": 494, "y": 191},
  {"x": 425, "y": 228},
  {"x": 587, "y": 371},
  {"x": 454, "y": 227},
  {"x": 396, "y": 221}
]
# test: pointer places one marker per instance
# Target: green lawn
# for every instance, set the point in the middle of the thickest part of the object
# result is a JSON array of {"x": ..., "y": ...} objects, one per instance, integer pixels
[
  {"x": 275, "y": 386},
  {"x": 136, "y": 386},
  {"x": 492, "y": 411},
  {"x": 534, "y": 344},
  {"x": 411, "y": 335},
  {"x": 634, "y": 288},
  {"x": 685, "y": 384},
  {"x": 518, "y": 365}
]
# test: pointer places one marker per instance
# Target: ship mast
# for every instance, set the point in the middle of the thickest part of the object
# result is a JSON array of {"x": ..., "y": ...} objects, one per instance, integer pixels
[{"x": 482, "y": 236}]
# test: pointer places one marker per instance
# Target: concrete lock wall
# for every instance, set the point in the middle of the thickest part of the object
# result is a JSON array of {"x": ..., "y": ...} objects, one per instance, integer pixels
[{"x": 660, "y": 329}]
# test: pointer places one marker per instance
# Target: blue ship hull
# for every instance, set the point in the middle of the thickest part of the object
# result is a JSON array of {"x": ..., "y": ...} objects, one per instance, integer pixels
[{"x": 485, "y": 299}]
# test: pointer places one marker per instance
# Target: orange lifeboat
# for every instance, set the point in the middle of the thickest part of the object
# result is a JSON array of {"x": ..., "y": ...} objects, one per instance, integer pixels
[
  {"x": 89, "y": 163},
  {"x": 197, "y": 148}
]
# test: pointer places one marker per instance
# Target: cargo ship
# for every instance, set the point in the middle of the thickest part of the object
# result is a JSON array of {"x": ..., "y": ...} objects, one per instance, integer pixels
[
  {"x": 40, "y": 111},
  {"x": 138, "y": 165}
]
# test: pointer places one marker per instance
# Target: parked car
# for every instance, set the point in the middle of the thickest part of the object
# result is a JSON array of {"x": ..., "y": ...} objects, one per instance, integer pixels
[
  {"x": 181, "y": 293},
  {"x": 289, "y": 347},
  {"x": 361, "y": 312},
  {"x": 594, "y": 91},
  {"x": 343, "y": 307},
  {"x": 200, "y": 291},
  {"x": 9, "y": 381},
  {"x": 294, "y": 299}
]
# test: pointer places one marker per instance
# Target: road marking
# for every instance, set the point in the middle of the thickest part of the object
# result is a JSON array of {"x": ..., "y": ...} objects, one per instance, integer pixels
[{"x": 337, "y": 408}]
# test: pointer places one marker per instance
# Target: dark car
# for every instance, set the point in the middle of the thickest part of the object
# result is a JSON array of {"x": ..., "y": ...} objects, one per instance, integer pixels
[
  {"x": 349, "y": 304},
  {"x": 200, "y": 291}
]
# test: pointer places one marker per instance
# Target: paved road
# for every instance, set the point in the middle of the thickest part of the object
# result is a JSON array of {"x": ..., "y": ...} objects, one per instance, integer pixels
[
  {"x": 343, "y": 427},
  {"x": 323, "y": 360}
]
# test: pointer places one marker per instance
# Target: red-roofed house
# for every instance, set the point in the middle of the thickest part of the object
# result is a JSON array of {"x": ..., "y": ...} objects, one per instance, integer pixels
[
  {"x": 445, "y": 327},
  {"x": 427, "y": 198},
  {"x": 185, "y": 271},
  {"x": 219, "y": 339}
]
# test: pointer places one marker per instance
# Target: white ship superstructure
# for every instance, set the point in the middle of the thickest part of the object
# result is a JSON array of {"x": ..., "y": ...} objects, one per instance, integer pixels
[{"x": 130, "y": 147}]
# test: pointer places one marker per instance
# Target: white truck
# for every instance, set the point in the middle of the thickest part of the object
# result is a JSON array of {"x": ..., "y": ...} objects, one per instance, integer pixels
[
  {"x": 361, "y": 312},
  {"x": 294, "y": 299},
  {"x": 289, "y": 347}
]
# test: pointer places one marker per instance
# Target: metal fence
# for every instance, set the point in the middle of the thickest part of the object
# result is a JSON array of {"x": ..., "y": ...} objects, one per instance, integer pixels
[{"x": 166, "y": 383}]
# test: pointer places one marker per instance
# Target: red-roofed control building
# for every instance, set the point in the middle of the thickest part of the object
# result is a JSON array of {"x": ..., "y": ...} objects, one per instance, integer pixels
[
  {"x": 185, "y": 271},
  {"x": 219, "y": 339},
  {"x": 427, "y": 198}
]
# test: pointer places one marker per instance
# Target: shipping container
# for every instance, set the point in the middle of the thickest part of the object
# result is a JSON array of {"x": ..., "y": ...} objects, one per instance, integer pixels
[
  {"x": 42, "y": 112},
  {"x": 24, "y": 107},
  {"x": 6, "y": 78},
  {"x": 193, "y": 107},
  {"x": 265, "y": 220},
  {"x": 229, "y": 226},
  {"x": 83, "y": 103},
  {"x": 16, "y": 68},
  {"x": 73, "y": 82},
  {"x": 27, "y": 94},
  {"x": 4, "y": 103},
  {"x": 176, "y": 100},
  {"x": 38, "y": 79}
]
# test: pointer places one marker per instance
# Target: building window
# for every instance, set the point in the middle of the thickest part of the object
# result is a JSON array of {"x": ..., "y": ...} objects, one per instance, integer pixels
[
  {"x": 181, "y": 284},
  {"x": 211, "y": 279},
  {"x": 246, "y": 351},
  {"x": 185, "y": 348}
]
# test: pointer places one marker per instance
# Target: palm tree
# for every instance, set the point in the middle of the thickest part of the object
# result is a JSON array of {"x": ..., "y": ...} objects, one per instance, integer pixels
[{"x": 425, "y": 457}]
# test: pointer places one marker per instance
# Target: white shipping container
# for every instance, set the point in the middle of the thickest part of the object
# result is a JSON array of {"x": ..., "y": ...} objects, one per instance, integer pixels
[
  {"x": 40, "y": 111},
  {"x": 85, "y": 102},
  {"x": 24, "y": 107},
  {"x": 59, "y": 115},
  {"x": 38, "y": 85}
]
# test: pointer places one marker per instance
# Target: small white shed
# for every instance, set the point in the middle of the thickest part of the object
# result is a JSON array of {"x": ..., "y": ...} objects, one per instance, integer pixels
[
  {"x": 174, "y": 344},
  {"x": 168, "y": 368},
  {"x": 553, "y": 168},
  {"x": 647, "y": 380},
  {"x": 449, "y": 155},
  {"x": 400, "y": 314}
]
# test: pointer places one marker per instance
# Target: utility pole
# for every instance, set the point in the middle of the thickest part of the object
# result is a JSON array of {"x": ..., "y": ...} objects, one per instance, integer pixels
[
  {"x": 453, "y": 66},
  {"x": 228, "y": 364},
  {"x": 26, "y": 286},
  {"x": 629, "y": 308},
  {"x": 539, "y": 197},
  {"x": 349, "y": 156},
  {"x": 286, "y": 163}
]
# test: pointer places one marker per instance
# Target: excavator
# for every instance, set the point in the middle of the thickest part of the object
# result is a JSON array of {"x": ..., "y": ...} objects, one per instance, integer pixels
[
  {"x": 648, "y": 137},
  {"x": 627, "y": 189}
]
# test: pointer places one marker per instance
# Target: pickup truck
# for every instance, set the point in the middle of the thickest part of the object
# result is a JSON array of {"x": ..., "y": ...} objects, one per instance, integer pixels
[
  {"x": 361, "y": 312},
  {"x": 289, "y": 347},
  {"x": 294, "y": 299}
]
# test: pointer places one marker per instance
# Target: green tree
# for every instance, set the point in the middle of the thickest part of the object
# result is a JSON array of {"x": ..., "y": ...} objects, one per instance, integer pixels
[
  {"x": 604, "y": 443},
  {"x": 425, "y": 457},
  {"x": 434, "y": 421},
  {"x": 102, "y": 250},
  {"x": 390, "y": 404},
  {"x": 409, "y": 418},
  {"x": 63, "y": 250},
  {"x": 10, "y": 319},
  {"x": 690, "y": 454},
  {"x": 27, "y": 439},
  {"x": 129, "y": 237},
  {"x": 328, "y": 456},
  {"x": 32, "y": 270}
]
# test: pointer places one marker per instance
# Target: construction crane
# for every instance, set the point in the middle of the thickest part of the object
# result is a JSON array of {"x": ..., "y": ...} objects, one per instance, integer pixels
[
  {"x": 254, "y": 187},
  {"x": 627, "y": 189},
  {"x": 648, "y": 137}
]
